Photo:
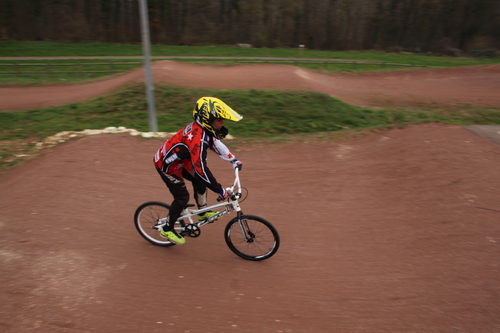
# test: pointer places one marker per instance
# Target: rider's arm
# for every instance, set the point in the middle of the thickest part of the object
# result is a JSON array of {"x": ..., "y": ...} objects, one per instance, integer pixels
[
  {"x": 200, "y": 167},
  {"x": 220, "y": 149}
]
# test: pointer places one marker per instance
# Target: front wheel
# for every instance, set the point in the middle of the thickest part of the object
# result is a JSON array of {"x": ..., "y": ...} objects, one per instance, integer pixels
[
  {"x": 147, "y": 220},
  {"x": 252, "y": 237}
]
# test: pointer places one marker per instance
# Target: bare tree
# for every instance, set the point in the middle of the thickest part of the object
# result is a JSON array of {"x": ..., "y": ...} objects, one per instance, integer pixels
[{"x": 413, "y": 25}]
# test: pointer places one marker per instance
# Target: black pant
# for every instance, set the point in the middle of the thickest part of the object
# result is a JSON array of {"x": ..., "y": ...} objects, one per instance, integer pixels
[{"x": 177, "y": 187}]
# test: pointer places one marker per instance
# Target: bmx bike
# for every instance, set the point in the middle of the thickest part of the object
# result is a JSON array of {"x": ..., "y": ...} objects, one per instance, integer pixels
[{"x": 248, "y": 236}]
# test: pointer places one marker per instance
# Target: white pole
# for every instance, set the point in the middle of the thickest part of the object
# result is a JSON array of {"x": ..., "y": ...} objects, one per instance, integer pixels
[{"x": 153, "y": 126}]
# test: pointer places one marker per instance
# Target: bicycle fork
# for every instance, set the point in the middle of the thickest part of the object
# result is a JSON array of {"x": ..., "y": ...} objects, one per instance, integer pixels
[{"x": 248, "y": 235}]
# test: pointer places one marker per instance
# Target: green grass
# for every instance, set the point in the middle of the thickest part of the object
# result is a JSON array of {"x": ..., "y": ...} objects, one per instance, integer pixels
[
  {"x": 267, "y": 115},
  {"x": 47, "y": 49},
  {"x": 88, "y": 69}
]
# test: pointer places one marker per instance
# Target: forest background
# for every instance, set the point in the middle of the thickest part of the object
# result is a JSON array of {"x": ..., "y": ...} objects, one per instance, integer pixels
[{"x": 447, "y": 27}]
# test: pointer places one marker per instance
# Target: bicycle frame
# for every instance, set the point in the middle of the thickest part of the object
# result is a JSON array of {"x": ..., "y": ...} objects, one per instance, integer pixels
[{"x": 230, "y": 205}]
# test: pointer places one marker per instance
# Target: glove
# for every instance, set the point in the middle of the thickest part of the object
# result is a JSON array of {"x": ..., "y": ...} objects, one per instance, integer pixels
[
  {"x": 237, "y": 164},
  {"x": 223, "y": 195}
]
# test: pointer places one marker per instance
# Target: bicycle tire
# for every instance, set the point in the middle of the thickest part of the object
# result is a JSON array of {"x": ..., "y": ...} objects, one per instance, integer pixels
[
  {"x": 259, "y": 240},
  {"x": 146, "y": 217}
]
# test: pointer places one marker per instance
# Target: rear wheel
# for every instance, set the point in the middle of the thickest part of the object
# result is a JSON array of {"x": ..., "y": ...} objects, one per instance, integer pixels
[
  {"x": 252, "y": 237},
  {"x": 147, "y": 220}
]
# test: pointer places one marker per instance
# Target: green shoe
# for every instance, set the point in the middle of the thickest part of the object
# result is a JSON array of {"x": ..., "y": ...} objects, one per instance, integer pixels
[
  {"x": 207, "y": 215},
  {"x": 173, "y": 236}
]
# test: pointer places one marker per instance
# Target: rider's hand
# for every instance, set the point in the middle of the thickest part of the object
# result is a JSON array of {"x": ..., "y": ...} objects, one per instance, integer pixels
[
  {"x": 237, "y": 164},
  {"x": 223, "y": 195}
]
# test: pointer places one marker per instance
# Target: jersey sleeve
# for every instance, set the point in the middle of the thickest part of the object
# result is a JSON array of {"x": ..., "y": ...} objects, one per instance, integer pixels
[{"x": 221, "y": 149}]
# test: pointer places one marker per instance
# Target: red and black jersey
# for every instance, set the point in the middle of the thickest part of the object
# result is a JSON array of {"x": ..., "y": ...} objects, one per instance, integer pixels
[{"x": 187, "y": 149}]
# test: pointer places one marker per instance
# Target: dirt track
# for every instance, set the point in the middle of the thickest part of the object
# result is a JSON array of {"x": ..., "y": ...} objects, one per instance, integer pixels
[
  {"x": 477, "y": 85},
  {"x": 393, "y": 231}
]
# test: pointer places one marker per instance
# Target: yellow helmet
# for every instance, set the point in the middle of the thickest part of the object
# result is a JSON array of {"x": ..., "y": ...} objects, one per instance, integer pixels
[{"x": 207, "y": 109}]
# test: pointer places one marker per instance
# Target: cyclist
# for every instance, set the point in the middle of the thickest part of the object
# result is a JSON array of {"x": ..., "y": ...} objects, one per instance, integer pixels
[{"x": 184, "y": 155}]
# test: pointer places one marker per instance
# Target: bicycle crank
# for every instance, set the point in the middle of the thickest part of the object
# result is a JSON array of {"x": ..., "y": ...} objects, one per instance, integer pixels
[{"x": 192, "y": 230}]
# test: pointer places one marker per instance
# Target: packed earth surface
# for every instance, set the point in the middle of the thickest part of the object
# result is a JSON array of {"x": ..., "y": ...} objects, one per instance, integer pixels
[{"x": 391, "y": 230}]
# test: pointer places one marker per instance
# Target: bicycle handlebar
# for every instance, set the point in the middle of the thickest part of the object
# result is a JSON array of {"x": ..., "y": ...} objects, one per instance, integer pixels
[{"x": 231, "y": 190}]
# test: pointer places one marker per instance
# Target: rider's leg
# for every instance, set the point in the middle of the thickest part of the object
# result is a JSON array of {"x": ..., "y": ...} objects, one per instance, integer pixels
[
  {"x": 200, "y": 194},
  {"x": 199, "y": 189},
  {"x": 177, "y": 187}
]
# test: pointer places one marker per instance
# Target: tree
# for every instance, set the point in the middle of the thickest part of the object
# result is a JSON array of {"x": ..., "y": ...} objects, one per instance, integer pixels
[{"x": 413, "y": 25}]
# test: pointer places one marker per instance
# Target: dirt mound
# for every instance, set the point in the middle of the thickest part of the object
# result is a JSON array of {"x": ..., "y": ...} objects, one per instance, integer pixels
[
  {"x": 478, "y": 85},
  {"x": 393, "y": 231}
]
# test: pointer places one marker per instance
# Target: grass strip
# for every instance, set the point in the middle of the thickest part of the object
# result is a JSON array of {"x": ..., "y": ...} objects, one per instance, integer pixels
[
  {"x": 48, "y": 49},
  {"x": 267, "y": 115}
]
